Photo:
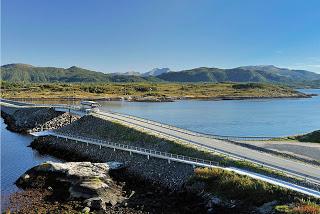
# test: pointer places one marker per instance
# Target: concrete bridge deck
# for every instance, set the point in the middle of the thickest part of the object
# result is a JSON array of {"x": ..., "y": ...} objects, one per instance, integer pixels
[
  {"x": 180, "y": 158},
  {"x": 307, "y": 171}
]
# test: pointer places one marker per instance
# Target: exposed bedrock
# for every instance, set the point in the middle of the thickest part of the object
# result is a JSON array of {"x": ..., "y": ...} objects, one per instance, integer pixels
[
  {"x": 76, "y": 180},
  {"x": 109, "y": 188},
  {"x": 25, "y": 120},
  {"x": 172, "y": 175}
]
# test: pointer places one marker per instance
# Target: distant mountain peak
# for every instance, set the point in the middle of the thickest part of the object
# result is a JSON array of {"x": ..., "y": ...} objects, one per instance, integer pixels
[
  {"x": 156, "y": 72},
  {"x": 131, "y": 73}
]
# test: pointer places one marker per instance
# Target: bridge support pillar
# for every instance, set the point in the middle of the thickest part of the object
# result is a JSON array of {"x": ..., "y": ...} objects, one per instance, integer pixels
[
  {"x": 87, "y": 144},
  {"x": 114, "y": 149},
  {"x": 148, "y": 156},
  {"x": 100, "y": 146},
  {"x": 130, "y": 153},
  {"x": 169, "y": 161}
]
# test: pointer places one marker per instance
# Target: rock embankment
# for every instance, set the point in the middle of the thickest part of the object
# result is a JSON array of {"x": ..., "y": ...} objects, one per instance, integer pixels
[
  {"x": 72, "y": 187},
  {"x": 32, "y": 119},
  {"x": 115, "y": 132},
  {"x": 87, "y": 181},
  {"x": 171, "y": 175}
]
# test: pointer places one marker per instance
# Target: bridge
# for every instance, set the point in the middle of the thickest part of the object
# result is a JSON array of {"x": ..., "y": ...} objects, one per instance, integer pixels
[
  {"x": 309, "y": 173},
  {"x": 182, "y": 159}
]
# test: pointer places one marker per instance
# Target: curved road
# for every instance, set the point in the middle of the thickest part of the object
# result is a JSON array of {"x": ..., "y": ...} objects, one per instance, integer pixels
[{"x": 309, "y": 171}]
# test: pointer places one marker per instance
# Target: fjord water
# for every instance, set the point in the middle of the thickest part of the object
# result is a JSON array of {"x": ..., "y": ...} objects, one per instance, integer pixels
[
  {"x": 268, "y": 117},
  {"x": 16, "y": 158},
  {"x": 259, "y": 117}
]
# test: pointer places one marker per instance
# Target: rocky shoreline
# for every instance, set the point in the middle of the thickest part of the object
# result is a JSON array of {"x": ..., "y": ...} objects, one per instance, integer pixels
[
  {"x": 26, "y": 120},
  {"x": 93, "y": 187},
  {"x": 148, "y": 194},
  {"x": 149, "y": 185},
  {"x": 164, "y": 99}
]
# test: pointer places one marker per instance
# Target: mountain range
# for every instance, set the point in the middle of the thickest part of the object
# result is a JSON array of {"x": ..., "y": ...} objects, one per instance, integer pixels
[{"x": 260, "y": 73}]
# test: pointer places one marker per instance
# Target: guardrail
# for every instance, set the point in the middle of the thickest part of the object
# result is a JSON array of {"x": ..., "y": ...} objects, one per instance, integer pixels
[
  {"x": 73, "y": 107},
  {"x": 196, "y": 133},
  {"x": 168, "y": 126},
  {"x": 235, "y": 156},
  {"x": 304, "y": 177},
  {"x": 164, "y": 155},
  {"x": 138, "y": 150}
]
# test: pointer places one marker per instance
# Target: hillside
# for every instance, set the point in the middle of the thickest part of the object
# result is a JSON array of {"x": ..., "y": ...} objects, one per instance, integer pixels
[
  {"x": 264, "y": 74},
  {"x": 310, "y": 137},
  {"x": 270, "y": 74},
  {"x": 28, "y": 73},
  {"x": 149, "y": 91}
]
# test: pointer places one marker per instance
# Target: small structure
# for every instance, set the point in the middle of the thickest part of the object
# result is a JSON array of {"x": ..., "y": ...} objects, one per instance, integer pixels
[{"x": 89, "y": 106}]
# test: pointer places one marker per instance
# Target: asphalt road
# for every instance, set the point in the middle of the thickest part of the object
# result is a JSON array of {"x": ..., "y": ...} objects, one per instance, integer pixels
[
  {"x": 281, "y": 163},
  {"x": 296, "y": 167}
]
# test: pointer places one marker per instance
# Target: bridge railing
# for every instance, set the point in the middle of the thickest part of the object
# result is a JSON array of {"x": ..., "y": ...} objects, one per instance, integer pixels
[
  {"x": 306, "y": 178},
  {"x": 140, "y": 150},
  {"x": 195, "y": 133},
  {"x": 176, "y": 157},
  {"x": 180, "y": 157},
  {"x": 168, "y": 126}
]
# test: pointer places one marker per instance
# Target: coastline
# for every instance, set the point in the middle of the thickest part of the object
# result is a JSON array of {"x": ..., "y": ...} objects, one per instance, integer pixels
[
  {"x": 145, "y": 175},
  {"x": 151, "y": 92},
  {"x": 161, "y": 99},
  {"x": 148, "y": 194}
]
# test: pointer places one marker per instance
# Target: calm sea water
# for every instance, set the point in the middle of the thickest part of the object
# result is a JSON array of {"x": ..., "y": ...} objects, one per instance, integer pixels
[
  {"x": 274, "y": 117},
  {"x": 16, "y": 158},
  {"x": 267, "y": 117}
]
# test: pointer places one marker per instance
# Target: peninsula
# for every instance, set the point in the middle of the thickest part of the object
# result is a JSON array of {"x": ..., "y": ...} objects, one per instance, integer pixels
[{"x": 146, "y": 91}]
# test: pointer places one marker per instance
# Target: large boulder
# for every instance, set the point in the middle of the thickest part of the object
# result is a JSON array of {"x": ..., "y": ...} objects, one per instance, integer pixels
[{"x": 77, "y": 180}]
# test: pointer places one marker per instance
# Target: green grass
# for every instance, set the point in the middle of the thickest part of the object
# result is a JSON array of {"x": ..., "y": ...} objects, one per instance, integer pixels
[
  {"x": 232, "y": 186},
  {"x": 119, "y": 133},
  {"x": 299, "y": 207},
  {"x": 312, "y": 137},
  {"x": 143, "y": 89}
]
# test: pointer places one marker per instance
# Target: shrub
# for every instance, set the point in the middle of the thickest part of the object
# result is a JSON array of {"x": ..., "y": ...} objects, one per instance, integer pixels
[
  {"x": 248, "y": 86},
  {"x": 238, "y": 187}
]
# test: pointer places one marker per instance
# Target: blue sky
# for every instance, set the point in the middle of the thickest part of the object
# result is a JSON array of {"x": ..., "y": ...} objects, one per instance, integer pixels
[{"x": 126, "y": 35}]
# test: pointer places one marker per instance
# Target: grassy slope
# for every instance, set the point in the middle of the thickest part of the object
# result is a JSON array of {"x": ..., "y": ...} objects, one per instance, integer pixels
[
  {"x": 120, "y": 133},
  {"x": 271, "y": 74},
  {"x": 231, "y": 186},
  {"x": 225, "y": 184},
  {"x": 31, "y": 74},
  {"x": 176, "y": 90},
  {"x": 312, "y": 137}
]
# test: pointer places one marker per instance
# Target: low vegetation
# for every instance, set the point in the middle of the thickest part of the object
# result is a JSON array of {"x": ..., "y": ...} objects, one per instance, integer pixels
[
  {"x": 119, "y": 133},
  {"x": 300, "y": 207},
  {"x": 231, "y": 186},
  {"x": 271, "y": 74},
  {"x": 312, "y": 137},
  {"x": 173, "y": 90}
]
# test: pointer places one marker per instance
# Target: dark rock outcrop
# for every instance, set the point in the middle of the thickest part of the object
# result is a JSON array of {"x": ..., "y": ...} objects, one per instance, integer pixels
[
  {"x": 33, "y": 119},
  {"x": 76, "y": 180}
]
